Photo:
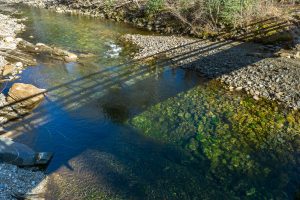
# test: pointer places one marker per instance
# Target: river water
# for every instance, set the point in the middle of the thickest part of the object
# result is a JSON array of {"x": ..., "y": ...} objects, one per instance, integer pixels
[{"x": 125, "y": 130}]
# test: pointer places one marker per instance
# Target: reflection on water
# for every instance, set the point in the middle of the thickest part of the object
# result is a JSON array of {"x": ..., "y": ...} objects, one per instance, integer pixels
[{"x": 150, "y": 132}]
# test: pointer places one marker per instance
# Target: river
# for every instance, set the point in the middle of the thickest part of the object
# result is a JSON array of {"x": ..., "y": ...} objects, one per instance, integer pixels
[{"x": 125, "y": 130}]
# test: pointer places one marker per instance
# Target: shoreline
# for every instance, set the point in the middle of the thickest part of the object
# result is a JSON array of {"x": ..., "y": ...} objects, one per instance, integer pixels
[{"x": 258, "y": 70}]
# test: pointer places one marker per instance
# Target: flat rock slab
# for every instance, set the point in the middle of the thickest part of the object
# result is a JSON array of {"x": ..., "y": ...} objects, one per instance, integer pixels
[{"x": 21, "y": 155}]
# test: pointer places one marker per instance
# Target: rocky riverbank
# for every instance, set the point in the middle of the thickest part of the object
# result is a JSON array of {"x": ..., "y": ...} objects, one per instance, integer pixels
[
  {"x": 15, "y": 55},
  {"x": 15, "y": 182},
  {"x": 20, "y": 100},
  {"x": 12, "y": 62},
  {"x": 259, "y": 70},
  {"x": 9, "y": 27}
]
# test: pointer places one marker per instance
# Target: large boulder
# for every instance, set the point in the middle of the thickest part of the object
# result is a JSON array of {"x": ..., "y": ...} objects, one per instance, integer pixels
[{"x": 25, "y": 96}]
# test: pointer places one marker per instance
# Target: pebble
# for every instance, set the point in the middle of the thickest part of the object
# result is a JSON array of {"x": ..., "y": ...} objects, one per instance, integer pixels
[
  {"x": 19, "y": 64},
  {"x": 238, "y": 88},
  {"x": 256, "y": 98}
]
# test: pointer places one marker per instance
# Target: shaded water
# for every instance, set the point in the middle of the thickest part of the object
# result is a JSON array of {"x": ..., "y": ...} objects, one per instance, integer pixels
[{"x": 149, "y": 132}]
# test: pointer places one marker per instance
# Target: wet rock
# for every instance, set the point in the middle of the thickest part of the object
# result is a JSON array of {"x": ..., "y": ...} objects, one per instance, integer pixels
[
  {"x": 86, "y": 55},
  {"x": 40, "y": 44},
  {"x": 44, "y": 48},
  {"x": 25, "y": 95},
  {"x": 70, "y": 57}
]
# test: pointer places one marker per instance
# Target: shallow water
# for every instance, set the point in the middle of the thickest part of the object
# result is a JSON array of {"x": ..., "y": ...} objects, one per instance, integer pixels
[{"x": 134, "y": 131}]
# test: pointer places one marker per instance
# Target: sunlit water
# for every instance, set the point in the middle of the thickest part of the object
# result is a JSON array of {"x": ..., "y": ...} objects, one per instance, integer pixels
[{"x": 132, "y": 131}]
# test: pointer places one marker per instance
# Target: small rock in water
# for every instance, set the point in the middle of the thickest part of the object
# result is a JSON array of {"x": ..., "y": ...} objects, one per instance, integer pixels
[
  {"x": 40, "y": 44},
  {"x": 71, "y": 57}
]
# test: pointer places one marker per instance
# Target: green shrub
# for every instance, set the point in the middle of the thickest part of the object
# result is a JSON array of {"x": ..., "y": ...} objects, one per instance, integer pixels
[
  {"x": 228, "y": 12},
  {"x": 154, "y": 6}
]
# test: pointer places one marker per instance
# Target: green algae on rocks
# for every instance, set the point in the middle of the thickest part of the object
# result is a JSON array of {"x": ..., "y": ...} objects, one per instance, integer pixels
[{"x": 248, "y": 144}]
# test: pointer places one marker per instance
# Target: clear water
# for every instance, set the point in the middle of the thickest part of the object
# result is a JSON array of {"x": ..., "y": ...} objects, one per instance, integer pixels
[{"x": 132, "y": 131}]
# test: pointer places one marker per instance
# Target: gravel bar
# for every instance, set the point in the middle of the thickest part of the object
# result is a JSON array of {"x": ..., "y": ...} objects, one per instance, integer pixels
[{"x": 254, "y": 68}]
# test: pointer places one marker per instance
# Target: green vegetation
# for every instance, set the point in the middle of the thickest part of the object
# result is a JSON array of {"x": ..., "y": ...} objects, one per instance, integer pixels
[
  {"x": 197, "y": 17},
  {"x": 216, "y": 13},
  {"x": 249, "y": 144},
  {"x": 154, "y": 6}
]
